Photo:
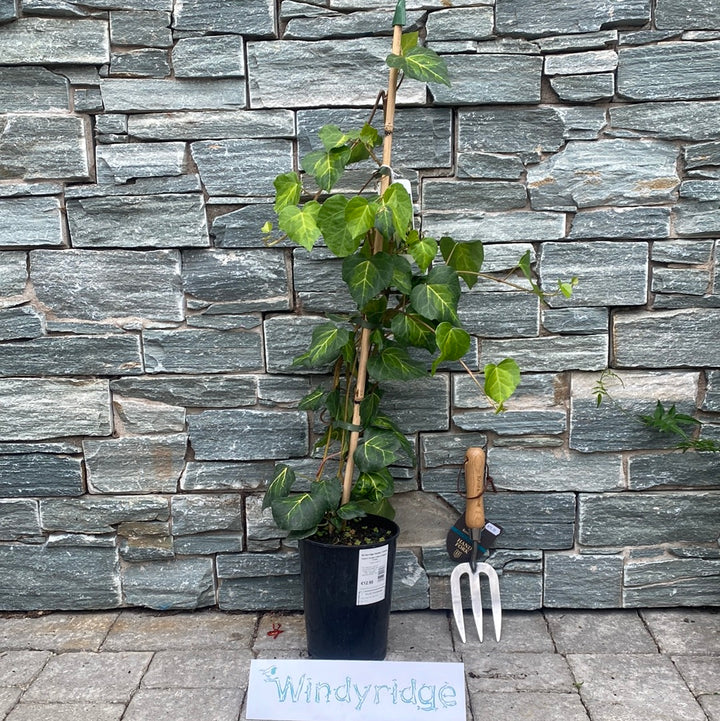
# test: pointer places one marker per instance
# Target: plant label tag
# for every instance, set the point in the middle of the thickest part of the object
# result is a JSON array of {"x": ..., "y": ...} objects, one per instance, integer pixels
[
  {"x": 372, "y": 570},
  {"x": 328, "y": 690}
]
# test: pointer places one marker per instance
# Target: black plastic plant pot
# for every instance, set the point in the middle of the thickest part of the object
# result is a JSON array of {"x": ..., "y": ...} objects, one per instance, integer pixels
[{"x": 347, "y": 593}]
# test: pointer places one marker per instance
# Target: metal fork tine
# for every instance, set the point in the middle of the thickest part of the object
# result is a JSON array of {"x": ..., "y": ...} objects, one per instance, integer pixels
[
  {"x": 492, "y": 577},
  {"x": 476, "y": 601},
  {"x": 457, "y": 598}
]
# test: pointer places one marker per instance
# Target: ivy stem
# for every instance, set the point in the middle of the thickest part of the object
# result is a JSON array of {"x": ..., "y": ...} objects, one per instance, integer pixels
[{"x": 389, "y": 116}]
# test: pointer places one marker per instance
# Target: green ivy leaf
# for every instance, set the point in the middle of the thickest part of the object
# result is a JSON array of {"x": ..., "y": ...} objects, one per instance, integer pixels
[
  {"x": 370, "y": 136},
  {"x": 402, "y": 274},
  {"x": 328, "y": 491},
  {"x": 312, "y": 401},
  {"x": 287, "y": 190},
  {"x": 453, "y": 343},
  {"x": 351, "y": 510},
  {"x": 359, "y": 216},
  {"x": 386, "y": 423},
  {"x": 300, "y": 224},
  {"x": 466, "y": 258},
  {"x": 326, "y": 166},
  {"x": 369, "y": 408},
  {"x": 366, "y": 277},
  {"x": 327, "y": 343},
  {"x": 525, "y": 265},
  {"x": 400, "y": 203},
  {"x": 331, "y": 221},
  {"x": 280, "y": 485},
  {"x": 299, "y": 512},
  {"x": 501, "y": 380},
  {"x": 437, "y": 297},
  {"x": 423, "y": 251},
  {"x": 331, "y": 136},
  {"x": 408, "y": 42},
  {"x": 422, "y": 64},
  {"x": 374, "y": 486},
  {"x": 411, "y": 329},
  {"x": 376, "y": 451},
  {"x": 394, "y": 364}
]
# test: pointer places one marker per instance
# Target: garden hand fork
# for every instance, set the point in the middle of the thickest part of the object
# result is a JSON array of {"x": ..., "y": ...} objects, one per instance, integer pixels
[{"x": 475, "y": 520}]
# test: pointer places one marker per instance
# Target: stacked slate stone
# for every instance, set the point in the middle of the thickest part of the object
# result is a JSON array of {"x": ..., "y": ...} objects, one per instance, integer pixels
[{"x": 146, "y": 332}]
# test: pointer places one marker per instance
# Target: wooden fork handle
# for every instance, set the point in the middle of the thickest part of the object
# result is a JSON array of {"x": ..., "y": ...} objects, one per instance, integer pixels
[{"x": 475, "y": 487}]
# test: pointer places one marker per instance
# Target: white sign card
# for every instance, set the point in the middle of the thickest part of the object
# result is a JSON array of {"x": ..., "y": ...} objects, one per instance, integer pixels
[{"x": 317, "y": 690}]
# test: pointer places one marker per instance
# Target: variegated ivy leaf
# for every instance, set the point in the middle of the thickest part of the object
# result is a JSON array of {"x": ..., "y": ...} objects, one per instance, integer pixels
[
  {"x": 287, "y": 190},
  {"x": 280, "y": 485},
  {"x": 300, "y": 224},
  {"x": 453, "y": 343},
  {"x": 501, "y": 380},
  {"x": 328, "y": 341}
]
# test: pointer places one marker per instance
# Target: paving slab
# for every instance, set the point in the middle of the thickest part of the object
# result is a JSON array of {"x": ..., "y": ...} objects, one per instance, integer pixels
[
  {"x": 685, "y": 631},
  {"x": 200, "y": 668},
  {"x": 493, "y": 671},
  {"x": 19, "y": 668},
  {"x": 711, "y": 705},
  {"x": 67, "y": 712},
  {"x": 141, "y": 630},
  {"x": 425, "y": 633},
  {"x": 8, "y": 698},
  {"x": 89, "y": 677},
  {"x": 522, "y": 631},
  {"x": 185, "y": 705},
  {"x": 701, "y": 673},
  {"x": 626, "y": 687},
  {"x": 281, "y": 636},
  {"x": 55, "y": 631},
  {"x": 529, "y": 706},
  {"x": 599, "y": 632}
]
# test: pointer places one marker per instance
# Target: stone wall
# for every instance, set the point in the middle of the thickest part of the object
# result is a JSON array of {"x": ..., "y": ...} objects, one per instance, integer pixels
[{"x": 146, "y": 332}]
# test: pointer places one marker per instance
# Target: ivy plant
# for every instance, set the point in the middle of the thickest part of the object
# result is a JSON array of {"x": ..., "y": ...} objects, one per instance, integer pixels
[{"x": 406, "y": 287}]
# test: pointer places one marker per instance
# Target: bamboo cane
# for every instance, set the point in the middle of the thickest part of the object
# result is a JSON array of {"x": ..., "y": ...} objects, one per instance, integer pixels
[{"x": 389, "y": 118}]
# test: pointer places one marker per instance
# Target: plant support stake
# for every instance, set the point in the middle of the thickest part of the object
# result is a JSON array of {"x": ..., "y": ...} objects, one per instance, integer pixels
[{"x": 389, "y": 120}]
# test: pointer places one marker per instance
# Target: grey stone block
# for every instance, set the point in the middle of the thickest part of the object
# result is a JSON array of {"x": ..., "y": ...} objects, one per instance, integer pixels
[
  {"x": 214, "y": 56},
  {"x": 242, "y": 228},
  {"x": 353, "y": 24},
  {"x": 584, "y": 88},
  {"x": 145, "y": 541},
  {"x": 440, "y": 195},
  {"x": 273, "y": 593},
  {"x": 419, "y": 405},
  {"x": 121, "y": 162},
  {"x": 154, "y": 95},
  {"x": 207, "y": 391},
  {"x": 135, "y": 465},
  {"x": 550, "y": 353},
  {"x": 254, "y": 18},
  {"x": 513, "y": 422},
  {"x": 201, "y": 351},
  {"x": 99, "y": 514},
  {"x": 200, "y": 513},
  {"x": 460, "y": 24},
  {"x": 697, "y": 156},
  {"x": 53, "y": 41},
  {"x": 256, "y": 278},
  {"x": 573, "y": 581},
  {"x": 674, "y": 120},
  {"x": 287, "y": 336},
  {"x": 140, "y": 417},
  {"x": 670, "y": 71},
  {"x": 262, "y": 533},
  {"x": 153, "y": 291},
  {"x": 150, "y": 63},
  {"x": 32, "y": 89},
  {"x": 491, "y": 79},
  {"x": 608, "y": 427},
  {"x": 632, "y": 680},
  {"x": 225, "y": 476},
  {"x": 72, "y": 355},
  {"x": 31, "y": 221},
  {"x": 606, "y": 172},
  {"x": 499, "y": 315},
  {"x": 232, "y": 167},
  {"x": 581, "y": 63},
  {"x": 538, "y": 17},
  {"x": 410, "y": 583},
  {"x": 13, "y": 272},
  {"x": 686, "y": 14},
  {"x": 535, "y": 391},
  {"x": 248, "y": 435},
  {"x": 611, "y": 519},
  {"x": 578, "y": 42},
  {"x": 58, "y": 578},
  {"x": 47, "y": 147},
  {"x": 685, "y": 470},
  {"x": 421, "y": 136},
  {"x": 611, "y": 273},
  {"x": 208, "y": 544},
  {"x": 540, "y": 470},
  {"x": 218, "y": 124},
  {"x": 621, "y": 223},
  {"x": 486, "y": 165},
  {"x": 19, "y": 323},
  {"x": 40, "y": 474},
  {"x": 517, "y": 226},
  {"x": 694, "y": 218},
  {"x": 689, "y": 281},
  {"x": 580, "y": 321},
  {"x": 667, "y": 339},
  {"x": 163, "y": 585},
  {"x": 38, "y": 408},
  {"x": 273, "y": 390},
  {"x": 9, "y": 11},
  {"x": 711, "y": 401},
  {"x": 19, "y": 520},
  {"x": 138, "y": 221},
  {"x": 279, "y": 71},
  {"x": 147, "y": 28}
]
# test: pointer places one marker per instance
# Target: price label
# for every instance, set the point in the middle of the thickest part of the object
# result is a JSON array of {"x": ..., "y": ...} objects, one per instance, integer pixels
[{"x": 372, "y": 569}]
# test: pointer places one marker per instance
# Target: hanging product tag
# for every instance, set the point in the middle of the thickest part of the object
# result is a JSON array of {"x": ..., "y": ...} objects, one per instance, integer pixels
[{"x": 372, "y": 570}]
